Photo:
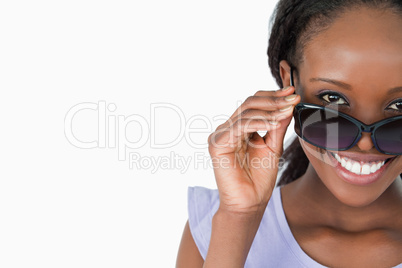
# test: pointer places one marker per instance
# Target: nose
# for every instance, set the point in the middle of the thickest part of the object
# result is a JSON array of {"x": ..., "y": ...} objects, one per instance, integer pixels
[{"x": 365, "y": 143}]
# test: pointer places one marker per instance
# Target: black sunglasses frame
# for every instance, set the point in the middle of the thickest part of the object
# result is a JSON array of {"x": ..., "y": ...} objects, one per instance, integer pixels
[{"x": 360, "y": 125}]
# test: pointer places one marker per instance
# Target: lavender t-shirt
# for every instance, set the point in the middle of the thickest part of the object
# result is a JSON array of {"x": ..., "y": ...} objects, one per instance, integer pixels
[{"x": 273, "y": 245}]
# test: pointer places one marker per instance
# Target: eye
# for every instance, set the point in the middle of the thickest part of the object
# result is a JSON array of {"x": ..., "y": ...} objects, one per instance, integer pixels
[
  {"x": 332, "y": 98},
  {"x": 397, "y": 106}
]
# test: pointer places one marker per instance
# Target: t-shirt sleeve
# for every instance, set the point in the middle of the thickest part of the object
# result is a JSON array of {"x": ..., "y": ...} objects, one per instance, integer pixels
[{"x": 202, "y": 205}]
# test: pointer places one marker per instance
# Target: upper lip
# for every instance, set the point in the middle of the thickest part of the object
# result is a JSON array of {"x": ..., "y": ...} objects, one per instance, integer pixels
[{"x": 363, "y": 157}]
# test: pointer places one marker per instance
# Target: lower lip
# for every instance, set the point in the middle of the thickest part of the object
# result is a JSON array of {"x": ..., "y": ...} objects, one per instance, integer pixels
[{"x": 353, "y": 178}]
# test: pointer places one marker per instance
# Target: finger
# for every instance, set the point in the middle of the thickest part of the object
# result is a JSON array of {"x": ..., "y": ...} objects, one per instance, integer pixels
[
  {"x": 274, "y": 139},
  {"x": 226, "y": 140},
  {"x": 263, "y": 102},
  {"x": 266, "y": 103},
  {"x": 276, "y": 93},
  {"x": 281, "y": 106},
  {"x": 276, "y": 115},
  {"x": 266, "y": 115}
]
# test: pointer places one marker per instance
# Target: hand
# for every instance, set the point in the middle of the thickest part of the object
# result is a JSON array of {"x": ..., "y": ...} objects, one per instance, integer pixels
[{"x": 246, "y": 164}]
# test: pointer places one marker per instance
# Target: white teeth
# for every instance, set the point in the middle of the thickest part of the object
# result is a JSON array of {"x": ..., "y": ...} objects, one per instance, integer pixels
[
  {"x": 356, "y": 168},
  {"x": 380, "y": 164},
  {"x": 343, "y": 162},
  {"x": 374, "y": 168},
  {"x": 349, "y": 165},
  {"x": 366, "y": 169},
  {"x": 359, "y": 168}
]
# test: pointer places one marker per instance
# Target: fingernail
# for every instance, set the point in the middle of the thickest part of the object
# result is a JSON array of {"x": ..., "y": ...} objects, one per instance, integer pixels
[
  {"x": 286, "y": 108},
  {"x": 290, "y": 97},
  {"x": 273, "y": 123},
  {"x": 286, "y": 88}
]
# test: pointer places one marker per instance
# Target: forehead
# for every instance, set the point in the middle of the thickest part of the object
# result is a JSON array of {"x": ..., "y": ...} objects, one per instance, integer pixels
[{"x": 362, "y": 46}]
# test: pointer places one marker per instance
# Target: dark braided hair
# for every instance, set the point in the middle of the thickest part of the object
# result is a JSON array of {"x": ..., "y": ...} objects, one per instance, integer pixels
[{"x": 294, "y": 23}]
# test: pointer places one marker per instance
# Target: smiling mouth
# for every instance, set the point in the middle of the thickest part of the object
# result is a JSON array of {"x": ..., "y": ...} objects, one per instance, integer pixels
[
  {"x": 360, "y": 167},
  {"x": 357, "y": 172}
]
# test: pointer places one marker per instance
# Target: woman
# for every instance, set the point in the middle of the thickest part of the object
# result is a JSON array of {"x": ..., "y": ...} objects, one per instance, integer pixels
[{"x": 339, "y": 200}]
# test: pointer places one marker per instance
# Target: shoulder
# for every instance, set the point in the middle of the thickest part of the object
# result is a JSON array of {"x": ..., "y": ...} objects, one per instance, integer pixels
[
  {"x": 202, "y": 200},
  {"x": 273, "y": 244},
  {"x": 202, "y": 206}
]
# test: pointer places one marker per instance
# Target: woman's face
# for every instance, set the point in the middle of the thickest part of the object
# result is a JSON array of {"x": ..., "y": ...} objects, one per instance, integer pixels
[{"x": 352, "y": 67}]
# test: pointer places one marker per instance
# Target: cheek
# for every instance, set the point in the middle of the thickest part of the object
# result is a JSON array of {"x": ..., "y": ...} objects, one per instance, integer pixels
[
  {"x": 398, "y": 166},
  {"x": 314, "y": 154},
  {"x": 319, "y": 160}
]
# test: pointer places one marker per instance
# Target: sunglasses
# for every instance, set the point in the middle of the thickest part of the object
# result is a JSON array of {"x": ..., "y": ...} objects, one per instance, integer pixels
[{"x": 333, "y": 130}]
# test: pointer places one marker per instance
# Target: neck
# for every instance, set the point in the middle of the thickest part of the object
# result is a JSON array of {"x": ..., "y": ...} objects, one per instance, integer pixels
[{"x": 320, "y": 207}]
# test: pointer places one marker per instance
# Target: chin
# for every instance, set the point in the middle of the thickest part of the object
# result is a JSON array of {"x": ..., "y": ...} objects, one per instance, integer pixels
[{"x": 355, "y": 200}]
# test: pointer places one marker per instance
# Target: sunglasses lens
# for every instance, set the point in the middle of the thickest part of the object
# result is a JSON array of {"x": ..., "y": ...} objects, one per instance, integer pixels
[
  {"x": 389, "y": 137},
  {"x": 326, "y": 128}
]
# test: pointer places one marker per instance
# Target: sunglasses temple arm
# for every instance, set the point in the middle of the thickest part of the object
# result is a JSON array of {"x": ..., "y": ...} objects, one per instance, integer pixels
[{"x": 291, "y": 77}]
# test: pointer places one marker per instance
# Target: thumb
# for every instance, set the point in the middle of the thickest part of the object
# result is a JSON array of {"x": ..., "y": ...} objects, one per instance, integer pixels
[{"x": 274, "y": 138}]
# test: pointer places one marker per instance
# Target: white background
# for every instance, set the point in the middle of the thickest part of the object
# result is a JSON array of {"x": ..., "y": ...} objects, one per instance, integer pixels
[{"x": 66, "y": 206}]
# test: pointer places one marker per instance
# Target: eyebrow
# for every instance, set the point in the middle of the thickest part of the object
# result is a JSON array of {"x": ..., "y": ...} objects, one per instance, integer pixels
[{"x": 347, "y": 86}]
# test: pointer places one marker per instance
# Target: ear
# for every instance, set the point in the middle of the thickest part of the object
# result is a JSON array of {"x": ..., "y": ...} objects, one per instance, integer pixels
[{"x": 284, "y": 71}]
